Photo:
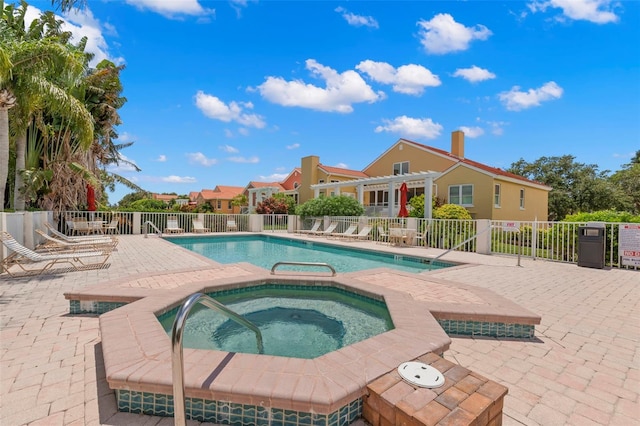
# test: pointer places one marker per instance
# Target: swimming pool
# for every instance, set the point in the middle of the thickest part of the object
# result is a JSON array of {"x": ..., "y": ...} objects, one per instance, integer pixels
[
  {"x": 299, "y": 321},
  {"x": 265, "y": 250}
]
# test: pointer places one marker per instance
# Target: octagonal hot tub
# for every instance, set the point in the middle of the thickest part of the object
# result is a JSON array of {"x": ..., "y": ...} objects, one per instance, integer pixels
[{"x": 231, "y": 387}]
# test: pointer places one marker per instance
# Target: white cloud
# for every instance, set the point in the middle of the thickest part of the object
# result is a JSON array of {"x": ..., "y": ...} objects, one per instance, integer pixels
[
  {"x": 200, "y": 158},
  {"x": 81, "y": 23},
  {"x": 409, "y": 79},
  {"x": 516, "y": 100},
  {"x": 341, "y": 91},
  {"x": 472, "y": 132},
  {"x": 172, "y": 8},
  {"x": 250, "y": 160},
  {"x": 357, "y": 20},
  {"x": 228, "y": 133},
  {"x": 161, "y": 158},
  {"x": 276, "y": 177},
  {"x": 497, "y": 127},
  {"x": 228, "y": 148},
  {"x": 213, "y": 107},
  {"x": 342, "y": 165},
  {"x": 474, "y": 74},
  {"x": 411, "y": 127},
  {"x": 125, "y": 137},
  {"x": 178, "y": 179},
  {"x": 442, "y": 34},
  {"x": 293, "y": 146},
  {"x": 596, "y": 11},
  {"x": 243, "y": 131}
]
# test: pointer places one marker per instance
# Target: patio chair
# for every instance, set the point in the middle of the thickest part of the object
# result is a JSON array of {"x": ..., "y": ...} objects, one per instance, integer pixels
[
  {"x": 231, "y": 225},
  {"x": 22, "y": 256},
  {"x": 383, "y": 236},
  {"x": 315, "y": 228},
  {"x": 346, "y": 234},
  {"x": 199, "y": 227},
  {"x": 81, "y": 227},
  {"x": 397, "y": 236},
  {"x": 172, "y": 226},
  {"x": 112, "y": 227},
  {"x": 56, "y": 245},
  {"x": 80, "y": 238}
]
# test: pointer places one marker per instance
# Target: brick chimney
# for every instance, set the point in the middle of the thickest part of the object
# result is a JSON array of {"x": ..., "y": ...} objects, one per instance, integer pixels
[{"x": 457, "y": 143}]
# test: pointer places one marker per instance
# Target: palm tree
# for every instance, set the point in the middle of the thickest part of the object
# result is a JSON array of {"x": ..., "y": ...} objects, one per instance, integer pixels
[{"x": 36, "y": 67}]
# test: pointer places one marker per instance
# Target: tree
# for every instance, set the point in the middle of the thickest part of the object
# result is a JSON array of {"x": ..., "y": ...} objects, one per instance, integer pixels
[
  {"x": 37, "y": 65},
  {"x": 272, "y": 205},
  {"x": 627, "y": 181},
  {"x": 576, "y": 187}
]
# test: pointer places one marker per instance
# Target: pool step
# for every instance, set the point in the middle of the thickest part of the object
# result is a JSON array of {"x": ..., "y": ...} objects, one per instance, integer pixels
[{"x": 466, "y": 398}]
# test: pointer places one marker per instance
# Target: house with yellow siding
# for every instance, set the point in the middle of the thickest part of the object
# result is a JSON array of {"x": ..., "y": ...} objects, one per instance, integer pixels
[
  {"x": 220, "y": 198},
  {"x": 486, "y": 192}
]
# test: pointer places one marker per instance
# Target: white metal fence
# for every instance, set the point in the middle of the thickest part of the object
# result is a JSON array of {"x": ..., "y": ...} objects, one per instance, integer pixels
[{"x": 555, "y": 241}]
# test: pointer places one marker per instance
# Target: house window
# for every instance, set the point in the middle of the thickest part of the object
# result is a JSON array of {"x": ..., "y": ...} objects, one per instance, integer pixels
[
  {"x": 522, "y": 198},
  {"x": 401, "y": 168},
  {"x": 219, "y": 204},
  {"x": 496, "y": 195},
  {"x": 320, "y": 180},
  {"x": 461, "y": 195},
  {"x": 229, "y": 206}
]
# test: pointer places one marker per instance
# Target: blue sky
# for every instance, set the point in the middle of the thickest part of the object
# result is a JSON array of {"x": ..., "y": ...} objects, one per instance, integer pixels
[{"x": 223, "y": 93}]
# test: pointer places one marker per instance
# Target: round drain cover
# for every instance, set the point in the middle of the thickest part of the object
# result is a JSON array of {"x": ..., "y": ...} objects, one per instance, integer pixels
[{"x": 421, "y": 374}]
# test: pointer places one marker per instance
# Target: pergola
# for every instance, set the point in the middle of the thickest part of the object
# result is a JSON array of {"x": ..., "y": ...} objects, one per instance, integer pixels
[{"x": 391, "y": 183}]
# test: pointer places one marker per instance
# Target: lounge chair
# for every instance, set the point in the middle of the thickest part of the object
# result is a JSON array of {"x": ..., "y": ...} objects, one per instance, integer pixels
[
  {"x": 56, "y": 245},
  {"x": 397, "y": 236},
  {"x": 332, "y": 227},
  {"x": 22, "y": 255},
  {"x": 80, "y": 238},
  {"x": 315, "y": 228},
  {"x": 363, "y": 234},
  {"x": 199, "y": 227},
  {"x": 172, "y": 226},
  {"x": 231, "y": 225},
  {"x": 349, "y": 232}
]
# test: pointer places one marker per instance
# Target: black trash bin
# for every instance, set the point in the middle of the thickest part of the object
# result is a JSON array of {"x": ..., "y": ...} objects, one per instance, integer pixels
[{"x": 591, "y": 246}]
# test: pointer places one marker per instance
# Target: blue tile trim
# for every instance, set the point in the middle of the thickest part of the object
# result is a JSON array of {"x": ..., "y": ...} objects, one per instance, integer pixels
[
  {"x": 92, "y": 307},
  {"x": 488, "y": 329},
  {"x": 230, "y": 413}
]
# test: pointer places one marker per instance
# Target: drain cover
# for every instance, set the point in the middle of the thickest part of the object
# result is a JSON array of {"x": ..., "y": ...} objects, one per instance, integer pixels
[{"x": 421, "y": 374}]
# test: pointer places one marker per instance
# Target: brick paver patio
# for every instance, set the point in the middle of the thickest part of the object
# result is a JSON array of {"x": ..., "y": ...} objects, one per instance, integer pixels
[{"x": 582, "y": 369}]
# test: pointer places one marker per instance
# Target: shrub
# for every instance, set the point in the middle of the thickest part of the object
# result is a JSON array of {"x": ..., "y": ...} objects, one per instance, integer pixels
[
  {"x": 272, "y": 205},
  {"x": 340, "y": 205},
  {"x": 451, "y": 211}
]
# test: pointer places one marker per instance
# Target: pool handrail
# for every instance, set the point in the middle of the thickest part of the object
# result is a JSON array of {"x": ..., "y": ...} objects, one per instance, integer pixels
[
  {"x": 177, "y": 356},
  {"x": 145, "y": 228},
  {"x": 275, "y": 265}
]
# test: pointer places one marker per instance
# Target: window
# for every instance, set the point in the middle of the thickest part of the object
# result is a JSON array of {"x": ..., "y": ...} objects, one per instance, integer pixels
[
  {"x": 320, "y": 180},
  {"x": 461, "y": 195},
  {"x": 522, "y": 198},
  {"x": 230, "y": 206},
  {"x": 496, "y": 195},
  {"x": 219, "y": 204},
  {"x": 401, "y": 168}
]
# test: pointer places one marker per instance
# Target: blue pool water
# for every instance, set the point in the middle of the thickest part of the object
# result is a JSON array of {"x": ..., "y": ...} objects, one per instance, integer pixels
[
  {"x": 295, "y": 320},
  {"x": 264, "y": 251}
]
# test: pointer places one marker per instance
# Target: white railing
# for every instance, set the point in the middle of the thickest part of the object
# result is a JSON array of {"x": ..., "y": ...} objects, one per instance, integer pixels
[{"x": 556, "y": 241}]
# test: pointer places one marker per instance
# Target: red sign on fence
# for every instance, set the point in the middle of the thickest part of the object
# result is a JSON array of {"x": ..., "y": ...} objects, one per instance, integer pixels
[{"x": 629, "y": 244}]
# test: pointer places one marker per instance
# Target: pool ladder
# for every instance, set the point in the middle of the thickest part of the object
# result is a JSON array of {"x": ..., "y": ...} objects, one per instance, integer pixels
[
  {"x": 177, "y": 356},
  {"x": 326, "y": 265}
]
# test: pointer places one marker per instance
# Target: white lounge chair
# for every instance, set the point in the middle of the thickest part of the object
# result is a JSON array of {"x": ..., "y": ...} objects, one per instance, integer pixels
[
  {"x": 383, "y": 236},
  {"x": 349, "y": 232},
  {"x": 332, "y": 227},
  {"x": 22, "y": 256},
  {"x": 172, "y": 226},
  {"x": 315, "y": 228},
  {"x": 363, "y": 234},
  {"x": 112, "y": 227},
  {"x": 199, "y": 227},
  {"x": 80, "y": 238},
  {"x": 57, "y": 245}
]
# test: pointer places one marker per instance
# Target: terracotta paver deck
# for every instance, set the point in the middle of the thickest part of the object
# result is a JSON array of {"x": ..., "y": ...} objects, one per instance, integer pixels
[{"x": 582, "y": 369}]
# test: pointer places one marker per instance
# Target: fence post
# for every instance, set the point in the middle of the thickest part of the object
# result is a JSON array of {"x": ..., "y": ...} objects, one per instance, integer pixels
[
  {"x": 483, "y": 239},
  {"x": 293, "y": 223},
  {"x": 534, "y": 239},
  {"x": 137, "y": 223}
]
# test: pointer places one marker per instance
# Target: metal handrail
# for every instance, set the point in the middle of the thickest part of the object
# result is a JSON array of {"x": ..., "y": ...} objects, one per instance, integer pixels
[
  {"x": 145, "y": 228},
  {"x": 275, "y": 265},
  {"x": 433, "y": 259},
  {"x": 177, "y": 359}
]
